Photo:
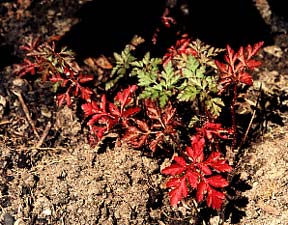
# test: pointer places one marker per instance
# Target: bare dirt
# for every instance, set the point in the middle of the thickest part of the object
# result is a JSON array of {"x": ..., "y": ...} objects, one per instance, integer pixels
[{"x": 50, "y": 175}]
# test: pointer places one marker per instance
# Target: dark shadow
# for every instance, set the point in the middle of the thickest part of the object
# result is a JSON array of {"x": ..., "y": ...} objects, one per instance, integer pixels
[
  {"x": 7, "y": 56},
  {"x": 222, "y": 22},
  {"x": 107, "y": 26},
  {"x": 234, "y": 211},
  {"x": 279, "y": 8},
  {"x": 155, "y": 198}
]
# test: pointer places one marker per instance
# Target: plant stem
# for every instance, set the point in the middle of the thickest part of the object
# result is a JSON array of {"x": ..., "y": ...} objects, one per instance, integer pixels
[{"x": 233, "y": 103}]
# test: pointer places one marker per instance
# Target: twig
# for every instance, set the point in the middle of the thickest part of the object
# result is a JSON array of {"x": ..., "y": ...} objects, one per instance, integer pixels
[
  {"x": 44, "y": 135},
  {"x": 3, "y": 122},
  {"x": 26, "y": 111},
  {"x": 251, "y": 120}
]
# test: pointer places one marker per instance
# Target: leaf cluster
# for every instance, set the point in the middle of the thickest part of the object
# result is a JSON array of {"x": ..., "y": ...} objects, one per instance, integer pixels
[
  {"x": 237, "y": 64},
  {"x": 197, "y": 171},
  {"x": 58, "y": 67},
  {"x": 183, "y": 79}
]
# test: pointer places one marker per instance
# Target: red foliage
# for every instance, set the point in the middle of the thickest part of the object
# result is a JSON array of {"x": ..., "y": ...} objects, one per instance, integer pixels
[
  {"x": 73, "y": 83},
  {"x": 105, "y": 115},
  {"x": 56, "y": 67},
  {"x": 197, "y": 172},
  {"x": 211, "y": 130},
  {"x": 234, "y": 71},
  {"x": 161, "y": 123},
  {"x": 26, "y": 67},
  {"x": 182, "y": 47}
]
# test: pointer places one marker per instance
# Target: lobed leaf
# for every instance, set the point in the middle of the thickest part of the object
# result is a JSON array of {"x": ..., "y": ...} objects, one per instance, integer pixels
[
  {"x": 179, "y": 190},
  {"x": 215, "y": 198},
  {"x": 201, "y": 191},
  {"x": 193, "y": 178},
  {"x": 217, "y": 181}
]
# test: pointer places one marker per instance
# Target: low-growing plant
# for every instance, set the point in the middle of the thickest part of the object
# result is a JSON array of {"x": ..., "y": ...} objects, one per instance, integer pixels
[
  {"x": 174, "y": 106},
  {"x": 59, "y": 68}
]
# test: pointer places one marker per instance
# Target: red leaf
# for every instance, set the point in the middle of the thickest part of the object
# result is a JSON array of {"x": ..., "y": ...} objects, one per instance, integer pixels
[
  {"x": 77, "y": 88},
  {"x": 25, "y": 68},
  {"x": 217, "y": 181},
  {"x": 90, "y": 108},
  {"x": 238, "y": 64},
  {"x": 221, "y": 166},
  {"x": 213, "y": 157},
  {"x": 114, "y": 110},
  {"x": 31, "y": 44},
  {"x": 215, "y": 199},
  {"x": 179, "y": 192},
  {"x": 64, "y": 97},
  {"x": 98, "y": 131},
  {"x": 168, "y": 114},
  {"x": 103, "y": 103},
  {"x": 158, "y": 139},
  {"x": 173, "y": 182},
  {"x": 85, "y": 93},
  {"x": 221, "y": 66},
  {"x": 85, "y": 78},
  {"x": 60, "y": 99},
  {"x": 253, "y": 50},
  {"x": 180, "y": 160},
  {"x": 204, "y": 168},
  {"x": 201, "y": 191},
  {"x": 142, "y": 125},
  {"x": 193, "y": 178},
  {"x": 153, "y": 110},
  {"x": 209, "y": 129},
  {"x": 124, "y": 97},
  {"x": 245, "y": 78},
  {"x": 196, "y": 152},
  {"x": 230, "y": 57},
  {"x": 218, "y": 164},
  {"x": 175, "y": 168},
  {"x": 134, "y": 137},
  {"x": 56, "y": 78},
  {"x": 253, "y": 63},
  {"x": 95, "y": 118},
  {"x": 131, "y": 111}
]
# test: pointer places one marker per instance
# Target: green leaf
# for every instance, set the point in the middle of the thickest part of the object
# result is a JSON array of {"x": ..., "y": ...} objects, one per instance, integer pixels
[
  {"x": 146, "y": 59},
  {"x": 188, "y": 94},
  {"x": 145, "y": 78},
  {"x": 111, "y": 83},
  {"x": 163, "y": 100},
  {"x": 137, "y": 64},
  {"x": 187, "y": 73},
  {"x": 118, "y": 58},
  {"x": 214, "y": 105},
  {"x": 194, "y": 120}
]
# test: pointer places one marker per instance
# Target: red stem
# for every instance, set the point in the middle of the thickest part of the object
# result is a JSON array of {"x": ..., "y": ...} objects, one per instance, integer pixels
[{"x": 234, "y": 117}]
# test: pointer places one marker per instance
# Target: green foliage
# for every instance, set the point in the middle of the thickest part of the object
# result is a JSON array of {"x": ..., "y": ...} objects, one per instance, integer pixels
[
  {"x": 158, "y": 85},
  {"x": 199, "y": 85},
  {"x": 183, "y": 78},
  {"x": 123, "y": 62},
  {"x": 185, "y": 83},
  {"x": 205, "y": 52}
]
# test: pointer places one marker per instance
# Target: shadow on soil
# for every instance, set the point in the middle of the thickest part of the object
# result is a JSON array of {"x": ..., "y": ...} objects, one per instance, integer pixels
[{"x": 107, "y": 26}]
